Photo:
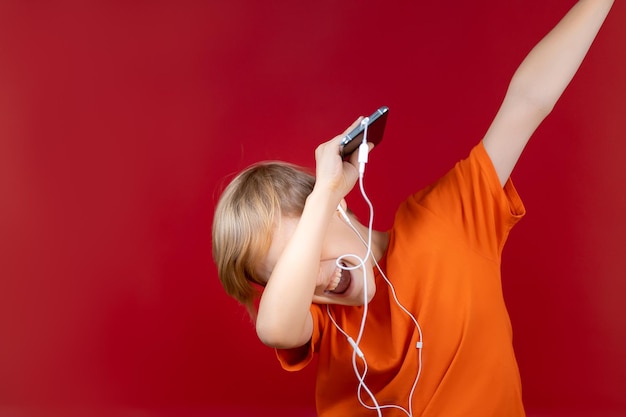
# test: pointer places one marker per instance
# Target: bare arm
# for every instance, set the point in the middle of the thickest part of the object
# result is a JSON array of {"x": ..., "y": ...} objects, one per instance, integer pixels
[
  {"x": 284, "y": 319},
  {"x": 539, "y": 82}
]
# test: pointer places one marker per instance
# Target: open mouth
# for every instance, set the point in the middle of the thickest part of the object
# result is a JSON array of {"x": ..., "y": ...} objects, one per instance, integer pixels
[{"x": 340, "y": 282}]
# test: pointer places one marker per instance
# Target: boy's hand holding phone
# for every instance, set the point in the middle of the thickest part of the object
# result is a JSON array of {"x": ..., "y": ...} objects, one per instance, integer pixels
[
  {"x": 331, "y": 171},
  {"x": 336, "y": 160}
]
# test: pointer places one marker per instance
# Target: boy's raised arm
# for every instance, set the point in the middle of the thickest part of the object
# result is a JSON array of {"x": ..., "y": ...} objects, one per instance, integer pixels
[
  {"x": 539, "y": 82},
  {"x": 284, "y": 319}
]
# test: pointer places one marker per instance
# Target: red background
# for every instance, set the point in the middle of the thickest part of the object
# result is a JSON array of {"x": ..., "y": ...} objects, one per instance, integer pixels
[{"x": 119, "y": 120}]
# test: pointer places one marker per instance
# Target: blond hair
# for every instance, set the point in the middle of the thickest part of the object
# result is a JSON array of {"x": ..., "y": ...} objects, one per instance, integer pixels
[{"x": 244, "y": 220}]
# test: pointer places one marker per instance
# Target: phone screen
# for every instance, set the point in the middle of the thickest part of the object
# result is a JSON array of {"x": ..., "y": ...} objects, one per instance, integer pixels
[{"x": 375, "y": 130}]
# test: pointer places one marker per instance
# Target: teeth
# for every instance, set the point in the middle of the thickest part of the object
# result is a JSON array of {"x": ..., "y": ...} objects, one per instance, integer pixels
[{"x": 335, "y": 281}]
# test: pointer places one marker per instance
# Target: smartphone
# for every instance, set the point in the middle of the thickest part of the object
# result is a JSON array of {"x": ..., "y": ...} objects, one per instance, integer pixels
[{"x": 375, "y": 130}]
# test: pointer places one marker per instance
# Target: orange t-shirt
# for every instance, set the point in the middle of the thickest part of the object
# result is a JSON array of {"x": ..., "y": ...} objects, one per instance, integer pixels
[{"x": 444, "y": 262}]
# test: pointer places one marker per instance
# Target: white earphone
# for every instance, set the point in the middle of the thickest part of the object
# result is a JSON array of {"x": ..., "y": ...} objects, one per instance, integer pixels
[
  {"x": 363, "y": 156},
  {"x": 343, "y": 214}
]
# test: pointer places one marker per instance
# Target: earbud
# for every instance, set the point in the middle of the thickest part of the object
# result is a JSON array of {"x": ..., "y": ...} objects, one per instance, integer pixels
[{"x": 343, "y": 214}]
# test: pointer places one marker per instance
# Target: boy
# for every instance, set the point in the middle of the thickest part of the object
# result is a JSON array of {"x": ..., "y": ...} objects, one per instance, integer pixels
[{"x": 282, "y": 229}]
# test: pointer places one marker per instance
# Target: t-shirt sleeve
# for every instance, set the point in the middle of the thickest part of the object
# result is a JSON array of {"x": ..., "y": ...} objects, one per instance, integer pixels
[
  {"x": 470, "y": 199},
  {"x": 297, "y": 358}
]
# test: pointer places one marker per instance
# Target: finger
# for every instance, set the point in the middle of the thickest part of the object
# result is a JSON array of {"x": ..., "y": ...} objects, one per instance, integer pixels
[
  {"x": 334, "y": 142},
  {"x": 354, "y": 158},
  {"x": 353, "y": 125}
]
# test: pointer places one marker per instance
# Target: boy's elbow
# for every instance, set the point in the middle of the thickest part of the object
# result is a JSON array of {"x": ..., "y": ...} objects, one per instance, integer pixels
[
  {"x": 273, "y": 336},
  {"x": 539, "y": 101},
  {"x": 279, "y": 337},
  {"x": 266, "y": 334}
]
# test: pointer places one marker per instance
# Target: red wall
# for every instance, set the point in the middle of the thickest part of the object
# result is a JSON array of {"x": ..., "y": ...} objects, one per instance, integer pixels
[{"x": 118, "y": 120}]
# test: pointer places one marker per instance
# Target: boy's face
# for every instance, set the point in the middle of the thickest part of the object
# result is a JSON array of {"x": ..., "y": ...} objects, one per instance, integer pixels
[{"x": 333, "y": 285}]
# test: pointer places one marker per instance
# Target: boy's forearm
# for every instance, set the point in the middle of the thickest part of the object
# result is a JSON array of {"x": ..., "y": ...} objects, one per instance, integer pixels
[
  {"x": 284, "y": 308},
  {"x": 550, "y": 66}
]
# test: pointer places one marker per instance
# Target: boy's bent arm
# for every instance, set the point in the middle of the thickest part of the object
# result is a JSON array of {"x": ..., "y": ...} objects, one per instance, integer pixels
[
  {"x": 539, "y": 82},
  {"x": 284, "y": 318}
]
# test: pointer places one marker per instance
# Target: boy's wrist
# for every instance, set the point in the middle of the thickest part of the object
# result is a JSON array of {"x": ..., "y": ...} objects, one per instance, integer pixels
[{"x": 322, "y": 199}]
